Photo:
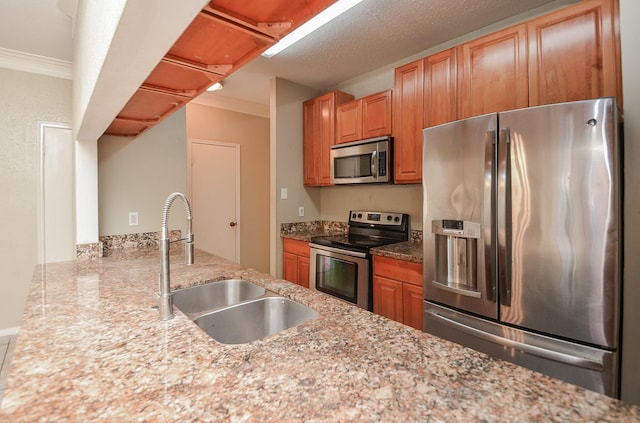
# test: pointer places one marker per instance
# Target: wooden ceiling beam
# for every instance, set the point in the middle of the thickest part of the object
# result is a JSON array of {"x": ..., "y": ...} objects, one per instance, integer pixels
[
  {"x": 259, "y": 30},
  {"x": 213, "y": 72},
  {"x": 188, "y": 94}
]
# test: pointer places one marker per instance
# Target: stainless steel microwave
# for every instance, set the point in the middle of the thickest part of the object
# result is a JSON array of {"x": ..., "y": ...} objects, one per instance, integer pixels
[{"x": 361, "y": 162}]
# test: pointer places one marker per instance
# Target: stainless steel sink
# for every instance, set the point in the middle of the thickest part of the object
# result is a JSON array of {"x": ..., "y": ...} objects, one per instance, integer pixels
[
  {"x": 215, "y": 295},
  {"x": 254, "y": 319}
]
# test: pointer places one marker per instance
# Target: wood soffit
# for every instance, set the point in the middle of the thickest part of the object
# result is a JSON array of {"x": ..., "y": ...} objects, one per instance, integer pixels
[{"x": 225, "y": 35}]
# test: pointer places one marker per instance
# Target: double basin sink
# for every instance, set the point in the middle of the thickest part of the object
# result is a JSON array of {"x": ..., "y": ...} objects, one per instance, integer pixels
[{"x": 235, "y": 311}]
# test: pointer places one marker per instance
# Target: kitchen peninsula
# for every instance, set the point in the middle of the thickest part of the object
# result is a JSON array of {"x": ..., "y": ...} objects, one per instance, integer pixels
[{"x": 91, "y": 347}]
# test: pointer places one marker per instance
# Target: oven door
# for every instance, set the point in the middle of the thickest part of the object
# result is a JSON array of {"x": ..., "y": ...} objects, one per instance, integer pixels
[{"x": 341, "y": 273}]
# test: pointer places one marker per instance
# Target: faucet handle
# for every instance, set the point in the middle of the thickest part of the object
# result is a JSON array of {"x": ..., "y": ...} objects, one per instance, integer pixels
[{"x": 188, "y": 249}]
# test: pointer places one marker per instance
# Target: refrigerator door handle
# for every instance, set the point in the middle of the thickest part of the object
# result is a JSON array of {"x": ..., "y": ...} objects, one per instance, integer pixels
[
  {"x": 490, "y": 149},
  {"x": 527, "y": 348},
  {"x": 504, "y": 216}
]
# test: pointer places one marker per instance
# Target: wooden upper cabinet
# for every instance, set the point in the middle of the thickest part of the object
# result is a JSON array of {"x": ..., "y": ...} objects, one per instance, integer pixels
[
  {"x": 319, "y": 125},
  {"x": 440, "y": 86},
  {"x": 349, "y": 121},
  {"x": 367, "y": 117},
  {"x": 376, "y": 115},
  {"x": 492, "y": 73},
  {"x": 408, "y": 103},
  {"x": 573, "y": 53}
]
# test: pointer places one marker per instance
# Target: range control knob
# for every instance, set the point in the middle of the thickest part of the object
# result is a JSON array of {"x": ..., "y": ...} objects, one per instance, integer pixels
[
  {"x": 359, "y": 215},
  {"x": 389, "y": 217},
  {"x": 397, "y": 219}
]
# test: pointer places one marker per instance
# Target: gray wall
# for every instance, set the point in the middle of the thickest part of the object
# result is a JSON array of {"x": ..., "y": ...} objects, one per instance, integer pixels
[
  {"x": 138, "y": 174},
  {"x": 287, "y": 164}
]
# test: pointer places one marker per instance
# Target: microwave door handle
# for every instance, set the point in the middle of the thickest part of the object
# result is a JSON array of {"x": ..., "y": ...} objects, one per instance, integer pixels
[{"x": 374, "y": 163}]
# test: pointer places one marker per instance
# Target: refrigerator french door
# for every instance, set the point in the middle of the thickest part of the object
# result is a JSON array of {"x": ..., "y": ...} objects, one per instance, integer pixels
[{"x": 522, "y": 238}]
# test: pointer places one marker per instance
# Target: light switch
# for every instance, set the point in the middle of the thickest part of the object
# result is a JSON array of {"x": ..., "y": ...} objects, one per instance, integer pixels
[{"x": 283, "y": 193}]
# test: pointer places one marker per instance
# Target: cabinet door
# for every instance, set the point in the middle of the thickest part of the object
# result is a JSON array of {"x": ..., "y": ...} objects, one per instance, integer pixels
[
  {"x": 412, "y": 301},
  {"x": 387, "y": 298},
  {"x": 407, "y": 122},
  {"x": 327, "y": 127},
  {"x": 376, "y": 115},
  {"x": 303, "y": 271},
  {"x": 319, "y": 121},
  {"x": 573, "y": 54},
  {"x": 440, "y": 88},
  {"x": 290, "y": 267},
  {"x": 349, "y": 122},
  {"x": 492, "y": 73}
]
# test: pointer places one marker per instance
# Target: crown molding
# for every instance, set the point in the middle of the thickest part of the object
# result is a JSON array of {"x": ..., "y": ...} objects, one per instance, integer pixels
[{"x": 27, "y": 62}]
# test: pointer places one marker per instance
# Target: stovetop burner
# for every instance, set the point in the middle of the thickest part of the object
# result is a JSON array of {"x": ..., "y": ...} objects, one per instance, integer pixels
[{"x": 368, "y": 230}]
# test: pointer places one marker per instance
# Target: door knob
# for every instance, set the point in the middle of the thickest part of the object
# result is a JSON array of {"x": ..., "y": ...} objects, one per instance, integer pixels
[{"x": 232, "y": 223}]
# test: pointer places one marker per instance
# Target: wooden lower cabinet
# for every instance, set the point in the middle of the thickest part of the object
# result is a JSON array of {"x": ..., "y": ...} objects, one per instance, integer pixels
[
  {"x": 387, "y": 298},
  {"x": 397, "y": 290},
  {"x": 295, "y": 261}
]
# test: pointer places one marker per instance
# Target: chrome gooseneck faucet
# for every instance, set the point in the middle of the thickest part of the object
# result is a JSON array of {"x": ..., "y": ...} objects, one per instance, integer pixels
[{"x": 165, "y": 298}]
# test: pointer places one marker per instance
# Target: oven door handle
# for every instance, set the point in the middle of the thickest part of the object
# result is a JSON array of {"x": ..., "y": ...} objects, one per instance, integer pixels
[{"x": 338, "y": 251}]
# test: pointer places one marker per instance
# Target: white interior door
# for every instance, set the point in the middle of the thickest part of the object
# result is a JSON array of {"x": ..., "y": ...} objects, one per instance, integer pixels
[
  {"x": 214, "y": 191},
  {"x": 56, "y": 228}
]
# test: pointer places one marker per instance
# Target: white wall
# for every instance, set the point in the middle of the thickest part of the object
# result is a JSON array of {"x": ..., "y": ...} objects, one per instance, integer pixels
[
  {"x": 26, "y": 99},
  {"x": 138, "y": 174},
  {"x": 630, "y": 34}
]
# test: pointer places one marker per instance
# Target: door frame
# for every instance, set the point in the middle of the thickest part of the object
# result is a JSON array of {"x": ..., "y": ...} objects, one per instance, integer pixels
[
  {"x": 42, "y": 126},
  {"x": 236, "y": 148}
]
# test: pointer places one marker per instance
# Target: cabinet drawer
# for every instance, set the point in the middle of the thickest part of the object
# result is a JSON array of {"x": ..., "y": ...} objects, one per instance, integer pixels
[
  {"x": 400, "y": 270},
  {"x": 293, "y": 246}
]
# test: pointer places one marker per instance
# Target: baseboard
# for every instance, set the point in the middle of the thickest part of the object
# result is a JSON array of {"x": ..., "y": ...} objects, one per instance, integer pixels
[{"x": 9, "y": 331}]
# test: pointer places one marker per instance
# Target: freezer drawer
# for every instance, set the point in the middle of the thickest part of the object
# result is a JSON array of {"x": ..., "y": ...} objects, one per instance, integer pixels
[{"x": 589, "y": 367}]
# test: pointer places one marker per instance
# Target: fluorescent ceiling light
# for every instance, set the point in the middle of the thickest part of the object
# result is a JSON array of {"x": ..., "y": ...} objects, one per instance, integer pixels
[
  {"x": 336, "y": 9},
  {"x": 216, "y": 87}
]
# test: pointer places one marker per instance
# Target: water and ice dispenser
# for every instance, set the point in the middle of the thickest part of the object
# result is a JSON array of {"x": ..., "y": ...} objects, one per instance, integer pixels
[{"x": 456, "y": 249}]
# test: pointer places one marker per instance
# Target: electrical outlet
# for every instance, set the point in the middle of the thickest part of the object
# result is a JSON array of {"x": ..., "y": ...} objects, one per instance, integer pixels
[
  {"x": 283, "y": 193},
  {"x": 300, "y": 211},
  {"x": 133, "y": 218}
]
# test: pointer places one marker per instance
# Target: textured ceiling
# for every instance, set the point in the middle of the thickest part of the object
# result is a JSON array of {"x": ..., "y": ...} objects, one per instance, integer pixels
[{"x": 373, "y": 34}]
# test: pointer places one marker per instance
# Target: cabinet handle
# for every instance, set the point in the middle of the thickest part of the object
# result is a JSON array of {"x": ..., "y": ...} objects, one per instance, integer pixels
[{"x": 232, "y": 224}]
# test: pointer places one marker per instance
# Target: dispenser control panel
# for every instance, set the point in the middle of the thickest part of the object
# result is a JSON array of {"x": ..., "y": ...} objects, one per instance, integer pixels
[{"x": 461, "y": 228}]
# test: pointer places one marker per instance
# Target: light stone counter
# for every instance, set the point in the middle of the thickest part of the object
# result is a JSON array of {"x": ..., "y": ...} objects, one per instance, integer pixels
[{"x": 91, "y": 348}]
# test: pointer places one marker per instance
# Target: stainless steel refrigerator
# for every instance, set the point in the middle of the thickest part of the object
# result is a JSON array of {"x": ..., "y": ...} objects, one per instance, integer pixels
[{"x": 522, "y": 238}]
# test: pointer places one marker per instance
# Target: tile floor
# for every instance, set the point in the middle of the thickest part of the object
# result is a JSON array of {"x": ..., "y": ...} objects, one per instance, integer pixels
[{"x": 7, "y": 343}]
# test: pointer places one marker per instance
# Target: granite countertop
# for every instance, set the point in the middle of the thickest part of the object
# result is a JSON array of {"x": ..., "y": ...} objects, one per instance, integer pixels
[
  {"x": 92, "y": 348},
  {"x": 407, "y": 251}
]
